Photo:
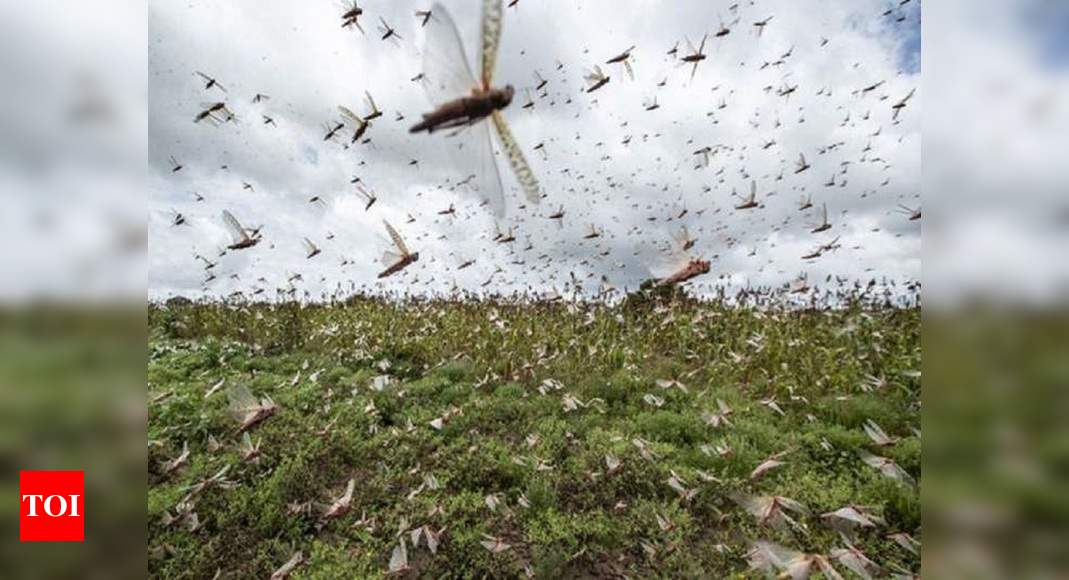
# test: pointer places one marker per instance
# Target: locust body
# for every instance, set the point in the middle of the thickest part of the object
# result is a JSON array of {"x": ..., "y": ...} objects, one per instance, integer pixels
[
  {"x": 465, "y": 110},
  {"x": 693, "y": 269}
]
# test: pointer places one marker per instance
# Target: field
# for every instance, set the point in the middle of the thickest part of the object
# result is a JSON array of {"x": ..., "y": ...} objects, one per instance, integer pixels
[{"x": 553, "y": 439}]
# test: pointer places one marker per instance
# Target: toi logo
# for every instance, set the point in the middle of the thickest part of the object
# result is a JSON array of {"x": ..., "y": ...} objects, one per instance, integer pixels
[{"x": 51, "y": 506}]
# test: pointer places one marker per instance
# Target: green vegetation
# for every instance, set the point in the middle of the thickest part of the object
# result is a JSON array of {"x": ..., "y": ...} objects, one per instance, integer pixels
[{"x": 531, "y": 399}]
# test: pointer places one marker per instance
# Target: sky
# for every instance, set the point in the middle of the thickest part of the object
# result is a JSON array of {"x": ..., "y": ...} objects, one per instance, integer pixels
[
  {"x": 995, "y": 170},
  {"x": 75, "y": 206},
  {"x": 615, "y": 167}
]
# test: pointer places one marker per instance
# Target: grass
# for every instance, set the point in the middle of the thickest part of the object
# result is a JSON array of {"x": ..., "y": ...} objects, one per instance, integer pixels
[{"x": 501, "y": 373}]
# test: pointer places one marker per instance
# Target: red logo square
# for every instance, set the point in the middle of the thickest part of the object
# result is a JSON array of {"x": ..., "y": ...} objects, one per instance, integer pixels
[{"x": 51, "y": 506}]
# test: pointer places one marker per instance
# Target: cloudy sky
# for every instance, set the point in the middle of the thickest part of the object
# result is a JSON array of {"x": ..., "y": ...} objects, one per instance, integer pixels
[
  {"x": 995, "y": 168},
  {"x": 614, "y": 166}
]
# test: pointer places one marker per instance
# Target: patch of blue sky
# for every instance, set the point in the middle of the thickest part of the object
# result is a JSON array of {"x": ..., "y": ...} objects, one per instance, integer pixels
[
  {"x": 899, "y": 30},
  {"x": 909, "y": 44},
  {"x": 1047, "y": 23}
]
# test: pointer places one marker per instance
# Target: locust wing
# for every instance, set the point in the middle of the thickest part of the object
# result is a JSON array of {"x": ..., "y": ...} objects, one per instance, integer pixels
[
  {"x": 472, "y": 153},
  {"x": 491, "y": 37},
  {"x": 241, "y": 401},
  {"x": 593, "y": 76},
  {"x": 371, "y": 103},
  {"x": 517, "y": 161},
  {"x": 445, "y": 64},
  {"x": 681, "y": 238},
  {"x": 287, "y": 568},
  {"x": 399, "y": 558},
  {"x": 770, "y": 557},
  {"x": 390, "y": 257},
  {"x": 364, "y": 193},
  {"x": 396, "y": 239},
  {"x": 209, "y": 79},
  {"x": 351, "y": 116},
  {"x": 490, "y": 188},
  {"x": 234, "y": 227},
  {"x": 666, "y": 263}
]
